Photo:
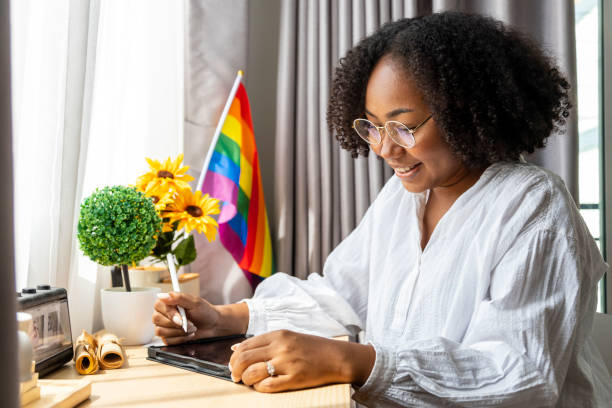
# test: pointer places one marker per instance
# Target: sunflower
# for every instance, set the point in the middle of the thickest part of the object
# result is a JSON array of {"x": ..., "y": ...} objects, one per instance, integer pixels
[
  {"x": 193, "y": 212},
  {"x": 161, "y": 195},
  {"x": 167, "y": 173}
]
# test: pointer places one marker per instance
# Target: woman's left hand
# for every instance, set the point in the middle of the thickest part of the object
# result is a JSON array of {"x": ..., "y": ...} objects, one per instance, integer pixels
[{"x": 299, "y": 361}]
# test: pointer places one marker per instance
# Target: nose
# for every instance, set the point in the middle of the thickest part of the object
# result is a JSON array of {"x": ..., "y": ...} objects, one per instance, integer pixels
[{"x": 388, "y": 147}]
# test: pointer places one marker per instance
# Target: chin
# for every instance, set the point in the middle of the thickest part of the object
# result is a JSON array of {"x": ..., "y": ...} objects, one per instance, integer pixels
[{"x": 414, "y": 187}]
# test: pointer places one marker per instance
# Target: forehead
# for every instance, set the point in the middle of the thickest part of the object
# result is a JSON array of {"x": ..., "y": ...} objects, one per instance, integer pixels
[{"x": 391, "y": 87}]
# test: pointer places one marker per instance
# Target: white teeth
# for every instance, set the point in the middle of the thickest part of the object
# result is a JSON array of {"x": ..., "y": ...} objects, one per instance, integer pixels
[{"x": 405, "y": 169}]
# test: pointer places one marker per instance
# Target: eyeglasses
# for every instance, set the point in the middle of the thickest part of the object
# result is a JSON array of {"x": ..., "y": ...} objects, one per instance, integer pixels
[{"x": 399, "y": 133}]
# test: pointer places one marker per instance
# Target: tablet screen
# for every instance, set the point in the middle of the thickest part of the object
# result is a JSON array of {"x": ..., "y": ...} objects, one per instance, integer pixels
[
  {"x": 216, "y": 351},
  {"x": 207, "y": 356}
]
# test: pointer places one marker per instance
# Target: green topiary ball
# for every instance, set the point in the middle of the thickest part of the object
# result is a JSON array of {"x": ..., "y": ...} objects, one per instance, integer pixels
[{"x": 117, "y": 226}]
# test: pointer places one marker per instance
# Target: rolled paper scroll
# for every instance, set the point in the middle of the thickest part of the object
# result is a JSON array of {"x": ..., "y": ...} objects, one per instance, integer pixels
[
  {"x": 110, "y": 351},
  {"x": 85, "y": 359}
]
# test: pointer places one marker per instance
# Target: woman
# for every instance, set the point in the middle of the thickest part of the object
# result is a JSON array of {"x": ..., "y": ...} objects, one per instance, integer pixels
[{"x": 472, "y": 274}]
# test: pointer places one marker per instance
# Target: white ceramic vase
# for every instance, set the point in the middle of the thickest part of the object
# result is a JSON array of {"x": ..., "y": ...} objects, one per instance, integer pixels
[
  {"x": 128, "y": 314},
  {"x": 158, "y": 276}
]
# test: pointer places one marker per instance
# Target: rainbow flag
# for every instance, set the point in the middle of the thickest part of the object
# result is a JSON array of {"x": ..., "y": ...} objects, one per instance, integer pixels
[{"x": 231, "y": 174}]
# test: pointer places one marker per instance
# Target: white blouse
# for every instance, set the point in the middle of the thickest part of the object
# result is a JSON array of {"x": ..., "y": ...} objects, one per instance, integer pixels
[{"x": 496, "y": 310}]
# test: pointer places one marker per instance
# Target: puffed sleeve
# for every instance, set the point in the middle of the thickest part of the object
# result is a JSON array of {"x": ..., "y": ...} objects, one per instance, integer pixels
[
  {"x": 329, "y": 305},
  {"x": 517, "y": 347}
]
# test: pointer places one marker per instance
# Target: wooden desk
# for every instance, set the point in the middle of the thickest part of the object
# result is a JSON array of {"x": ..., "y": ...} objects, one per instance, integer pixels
[{"x": 144, "y": 383}]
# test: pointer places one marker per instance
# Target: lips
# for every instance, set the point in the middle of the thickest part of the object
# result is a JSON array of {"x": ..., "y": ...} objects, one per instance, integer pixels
[
  {"x": 406, "y": 171},
  {"x": 405, "y": 168}
]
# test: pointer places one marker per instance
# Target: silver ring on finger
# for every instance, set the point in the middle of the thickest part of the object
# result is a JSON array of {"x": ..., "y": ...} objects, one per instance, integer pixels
[{"x": 270, "y": 369}]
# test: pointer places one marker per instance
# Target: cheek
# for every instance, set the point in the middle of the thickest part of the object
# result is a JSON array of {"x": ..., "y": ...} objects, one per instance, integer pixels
[
  {"x": 439, "y": 162},
  {"x": 375, "y": 149},
  {"x": 435, "y": 152}
]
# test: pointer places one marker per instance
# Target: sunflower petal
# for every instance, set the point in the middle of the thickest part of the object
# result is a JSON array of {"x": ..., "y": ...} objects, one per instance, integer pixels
[
  {"x": 155, "y": 165},
  {"x": 182, "y": 170},
  {"x": 179, "y": 158}
]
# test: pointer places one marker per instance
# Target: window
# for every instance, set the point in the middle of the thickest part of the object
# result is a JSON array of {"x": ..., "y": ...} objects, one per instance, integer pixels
[
  {"x": 587, "y": 15},
  {"x": 81, "y": 122},
  {"x": 606, "y": 134}
]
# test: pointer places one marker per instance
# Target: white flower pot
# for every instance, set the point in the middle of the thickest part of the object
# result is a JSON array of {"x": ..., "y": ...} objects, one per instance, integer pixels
[
  {"x": 128, "y": 314},
  {"x": 158, "y": 276}
]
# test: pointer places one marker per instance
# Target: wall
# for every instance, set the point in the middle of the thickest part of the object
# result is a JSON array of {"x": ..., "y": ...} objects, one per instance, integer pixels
[
  {"x": 8, "y": 341},
  {"x": 260, "y": 78}
]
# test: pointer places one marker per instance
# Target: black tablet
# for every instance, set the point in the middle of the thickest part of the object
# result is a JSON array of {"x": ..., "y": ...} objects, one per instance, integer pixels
[{"x": 206, "y": 356}]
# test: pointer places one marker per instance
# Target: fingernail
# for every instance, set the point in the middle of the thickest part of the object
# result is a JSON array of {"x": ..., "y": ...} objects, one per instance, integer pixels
[
  {"x": 177, "y": 320},
  {"x": 163, "y": 296},
  {"x": 234, "y": 346},
  {"x": 191, "y": 327}
]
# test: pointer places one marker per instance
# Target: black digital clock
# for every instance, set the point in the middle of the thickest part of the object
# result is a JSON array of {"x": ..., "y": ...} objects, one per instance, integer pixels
[{"x": 50, "y": 332}]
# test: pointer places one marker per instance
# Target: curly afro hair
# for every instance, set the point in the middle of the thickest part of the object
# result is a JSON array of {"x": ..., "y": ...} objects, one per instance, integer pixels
[{"x": 492, "y": 91}]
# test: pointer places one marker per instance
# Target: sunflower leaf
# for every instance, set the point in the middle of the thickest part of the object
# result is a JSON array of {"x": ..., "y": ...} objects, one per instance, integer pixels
[
  {"x": 163, "y": 245},
  {"x": 185, "y": 252}
]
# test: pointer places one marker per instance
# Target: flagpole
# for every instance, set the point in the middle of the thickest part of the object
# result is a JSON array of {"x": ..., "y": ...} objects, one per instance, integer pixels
[{"x": 226, "y": 109}]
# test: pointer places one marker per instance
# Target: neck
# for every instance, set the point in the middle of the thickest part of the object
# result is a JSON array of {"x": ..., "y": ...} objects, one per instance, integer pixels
[{"x": 459, "y": 184}]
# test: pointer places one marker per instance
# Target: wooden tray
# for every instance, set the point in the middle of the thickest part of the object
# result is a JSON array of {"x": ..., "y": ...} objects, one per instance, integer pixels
[{"x": 61, "y": 393}]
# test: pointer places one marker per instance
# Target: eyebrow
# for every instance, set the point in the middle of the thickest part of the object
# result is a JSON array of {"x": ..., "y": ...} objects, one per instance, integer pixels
[{"x": 391, "y": 114}]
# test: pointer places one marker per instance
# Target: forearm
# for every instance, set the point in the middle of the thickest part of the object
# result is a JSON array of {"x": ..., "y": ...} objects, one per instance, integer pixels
[
  {"x": 356, "y": 362},
  {"x": 232, "y": 319}
]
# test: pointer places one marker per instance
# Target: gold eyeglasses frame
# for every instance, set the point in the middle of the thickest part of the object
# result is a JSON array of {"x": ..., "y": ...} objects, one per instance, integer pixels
[{"x": 390, "y": 131}]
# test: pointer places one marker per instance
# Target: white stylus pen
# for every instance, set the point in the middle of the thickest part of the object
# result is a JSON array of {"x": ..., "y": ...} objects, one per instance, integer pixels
[{"x": 176, "y": 288}]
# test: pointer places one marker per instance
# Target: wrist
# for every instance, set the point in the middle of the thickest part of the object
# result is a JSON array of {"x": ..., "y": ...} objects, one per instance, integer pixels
[
  {"x": 232, "y": 319},
  {"x": 357, "y": 362}
]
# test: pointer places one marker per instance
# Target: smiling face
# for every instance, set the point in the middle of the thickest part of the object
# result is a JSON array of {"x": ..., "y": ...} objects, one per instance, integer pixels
[{"x": 429, "y": 164}]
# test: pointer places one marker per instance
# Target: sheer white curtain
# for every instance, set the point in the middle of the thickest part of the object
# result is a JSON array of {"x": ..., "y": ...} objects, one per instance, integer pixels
[
  {"x": 39, "y": 34},
  {"x": 98, "y": 86},
  {"x": 137, "y": 112}
]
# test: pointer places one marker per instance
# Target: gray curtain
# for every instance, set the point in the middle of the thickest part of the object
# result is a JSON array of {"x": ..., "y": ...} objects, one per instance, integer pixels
[{"x": 321, "y": 193}]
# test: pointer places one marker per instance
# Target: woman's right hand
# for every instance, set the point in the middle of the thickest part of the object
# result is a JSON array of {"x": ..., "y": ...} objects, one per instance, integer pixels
[{"x": 202, "y": 318}]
